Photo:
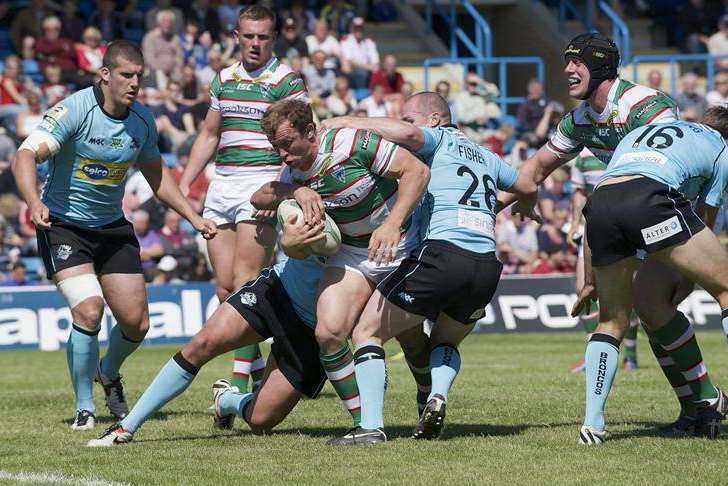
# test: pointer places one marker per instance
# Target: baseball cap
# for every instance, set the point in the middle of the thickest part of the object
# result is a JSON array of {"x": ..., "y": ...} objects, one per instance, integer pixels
[
  {"x": 357, "y": 22},
  {"x": 167, "y": 264}
]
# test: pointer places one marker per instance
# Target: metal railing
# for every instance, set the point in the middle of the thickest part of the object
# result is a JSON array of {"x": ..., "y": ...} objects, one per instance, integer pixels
[
  {"x": 674, "y": 59},
  {"x": 620, "y": 31},
  {"x": 503, "y": 100}
]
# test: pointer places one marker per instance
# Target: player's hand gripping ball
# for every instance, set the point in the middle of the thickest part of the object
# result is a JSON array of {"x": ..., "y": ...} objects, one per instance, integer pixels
[{"x": 325, "y": 247}]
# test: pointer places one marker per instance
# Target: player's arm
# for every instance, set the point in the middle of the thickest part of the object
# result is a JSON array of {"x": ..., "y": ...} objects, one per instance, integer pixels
[
  {"x": 588, "y": 292},
  {"x": 202, "y": 150},
  {"x": 578, "y": 201},
  {"x": 164, "y": 186},
  {"x": 402, "y": 133},
  {"x": 413, "y": 177},
  {"x": 271, "y": 194}
]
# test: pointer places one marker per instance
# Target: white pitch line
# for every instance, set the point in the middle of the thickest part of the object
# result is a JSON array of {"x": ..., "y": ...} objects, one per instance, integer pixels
[{"x": 55, "y": 478}]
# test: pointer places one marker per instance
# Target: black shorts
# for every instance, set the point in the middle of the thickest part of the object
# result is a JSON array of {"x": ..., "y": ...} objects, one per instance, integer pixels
[
  {"x": 265, "y": 305},
  {"x": 112, "y": 248},
  {"x": 441, "y": 277},
  {"x": 639, "y": 214}
]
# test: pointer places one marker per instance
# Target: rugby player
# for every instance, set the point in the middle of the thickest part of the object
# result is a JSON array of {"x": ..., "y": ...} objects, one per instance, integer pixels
[
  {"x": 89, "y": 249},
  {"x": 369, "y": 186},
  {"x": 450, "y": 277},
  {"x": 280, "y": 304},
  {"x": 611, "y": 108},
  {"x": 244, "y": 160},
  {"x": 642, "y": 202}
]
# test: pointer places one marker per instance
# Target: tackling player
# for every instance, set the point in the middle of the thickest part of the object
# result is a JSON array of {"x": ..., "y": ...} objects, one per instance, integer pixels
[
  {"x": 450, "y": 277},
  {"x": 244, "y": 160},
  {"x": 369, "y": 186},
  {"x": 89, "y": 249},
  {"x": 642, "y": 202},
  {"x": 280, "y": 303}
]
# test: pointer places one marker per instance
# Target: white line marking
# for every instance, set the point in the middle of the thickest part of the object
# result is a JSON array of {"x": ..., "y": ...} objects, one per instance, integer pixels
[{"x": 55, "y": 478}]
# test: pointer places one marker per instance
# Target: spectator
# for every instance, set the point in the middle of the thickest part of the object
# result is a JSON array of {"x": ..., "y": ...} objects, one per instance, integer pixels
[
  {"x": 28, "y": 64},
  {"x": 214, "y": 65},
  {"x": 388, "y": 77},
  {"x": 188, "y": 40},
  {"x": 190, "y": 87},
  {"x": 689, "y": 98},
  {"x": 204, "y": 16},
  {"x": 227, "y": 14},
  {"x": 383, "y": 11},
  {"x": 151, "y": 19},
  {"x": 138, "y": 194},
  {"x": 290, "y": 43},
  {"x": 719, "y": 96},
  {"x": 342, "y": 101},
  {"x": 339, "y": 15},
  {"x": 376, "y": 104},
  {"x": 167, "y": 271},
  {"x": 320, "y": 81},
  {"x": 29, "y": 119},
  {"x": 407, "y": 90},
  {"x": 27, "y": 22},
  {"x": 7, "y": 154},
  {"x": 718, "y": 43},
  {"x": 475, "y": 107},
  {"x": 198, "y": 188},
  {"x": 531, "y": 111},
  {"x": 360, "y": 56},
  {"x": 554, "y": 196},
  {"x": 443, "y": 89},
  {"x": 698, "y": 20},
  {"x": 322, "y": 40},
  {"x": 161, "y": 47},
  {"x": 174, "y": 121},
  {"x": 303, "y": 18},
  {"x": 501, "y": 139},
  {"x": 53, "y": 89},
  {"x": 150, "y": 245},
  {"x": 12, "y": 100},
  {"x": 72, "y": 25},
  {"x": 52, "y": 49},
  {"x": 199, "y": 272},
  {"x": 176, "y": 242},
  {"x": 109, "y": 22},
  {"x": 90, "y": 54},
  {"x": 519, "y": 241},
  {"x": 654, "y": 79},
  {"x": 549, "y": 121},
  {"x": 18, "y": 275}
]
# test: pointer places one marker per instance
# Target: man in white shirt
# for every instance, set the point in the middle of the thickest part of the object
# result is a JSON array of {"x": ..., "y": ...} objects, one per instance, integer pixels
[
  {"x": 719, "y": 96},
  {"x": 360, "y": 53},
  {"x": 376, "y": 105},
  {"x": 322, "y": 40},
  {"x": 718, "y": 43}
]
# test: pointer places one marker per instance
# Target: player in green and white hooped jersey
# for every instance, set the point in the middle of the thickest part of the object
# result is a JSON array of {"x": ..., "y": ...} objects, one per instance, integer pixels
[
  {"x": 368, "y": 185},
  {"x": 611, "y": 108},
  {"x": 244, "y": 160},
  {"x": 585, "y": 173}
]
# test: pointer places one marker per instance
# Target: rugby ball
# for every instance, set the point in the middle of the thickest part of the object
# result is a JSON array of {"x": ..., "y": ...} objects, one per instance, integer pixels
[{"x": 326, "y": 247}]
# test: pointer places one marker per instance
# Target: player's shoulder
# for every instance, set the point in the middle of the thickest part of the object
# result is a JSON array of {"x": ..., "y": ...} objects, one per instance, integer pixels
[
  {"x": 226, "y": 74},
  {"x": 629, "y": 95},
  {"x": 143, "y": 113},
  {"x": 82, "y": 100},
  {"x": 339, "y": 139}
]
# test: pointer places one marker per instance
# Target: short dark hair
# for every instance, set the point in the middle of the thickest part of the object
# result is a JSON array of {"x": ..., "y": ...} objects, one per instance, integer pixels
[
  {"x": 257, "y": 12},
  {"x": 297, "y": 112},
  {"x": 430, "y": 102},
  {"x": 716, "y": 117},
  {"x": 122, "y": 48}
]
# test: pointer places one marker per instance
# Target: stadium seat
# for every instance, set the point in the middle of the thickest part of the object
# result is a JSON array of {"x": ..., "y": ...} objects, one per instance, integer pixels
[
  {"x": 33, "y": 264},
  {"x": 361, "y": 93}
]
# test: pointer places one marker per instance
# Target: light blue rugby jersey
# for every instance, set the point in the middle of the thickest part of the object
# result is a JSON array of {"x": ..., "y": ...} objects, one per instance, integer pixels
[
  {"x": 85, "y": 183},
  {"x": 689, "y": 157},
  {"x": 300, "y": 278},
  {"x": 463, "y": 189}
]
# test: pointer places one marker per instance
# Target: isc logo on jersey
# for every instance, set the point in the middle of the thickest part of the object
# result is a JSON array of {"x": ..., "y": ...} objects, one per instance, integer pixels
[{"x": 100, "y": 172}]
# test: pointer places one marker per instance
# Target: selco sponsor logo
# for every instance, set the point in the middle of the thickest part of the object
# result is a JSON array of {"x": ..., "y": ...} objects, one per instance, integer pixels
[
  {"x": 601, "y": 373},
  {"x": 101, "y": 172},
  {"x": 95, "y": 171}
]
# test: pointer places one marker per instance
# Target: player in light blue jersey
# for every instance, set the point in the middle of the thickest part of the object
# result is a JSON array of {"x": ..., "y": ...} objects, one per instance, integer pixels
[
  {"x": 451, "y": 277},
  {"x": 280, "y": 304},
  {"x": 89, "y": 249},
  {"x": 643, "y": 202}
]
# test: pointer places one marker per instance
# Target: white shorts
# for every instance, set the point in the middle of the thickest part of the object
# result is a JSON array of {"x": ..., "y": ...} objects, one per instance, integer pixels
[
  {"x": 356, "y": 259},
  {"x": 228, "y": 197}
]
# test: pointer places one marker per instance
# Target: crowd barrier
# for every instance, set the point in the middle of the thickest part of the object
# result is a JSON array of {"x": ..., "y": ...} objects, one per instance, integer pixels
[{"x": 37, "y": 318}]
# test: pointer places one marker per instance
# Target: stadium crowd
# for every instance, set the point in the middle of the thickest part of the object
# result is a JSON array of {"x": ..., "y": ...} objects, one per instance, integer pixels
[{"x": 58, "y": 48}]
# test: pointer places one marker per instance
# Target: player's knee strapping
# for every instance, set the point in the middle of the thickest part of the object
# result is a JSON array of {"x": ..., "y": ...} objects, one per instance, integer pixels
[{"x": 79, "y": 288}]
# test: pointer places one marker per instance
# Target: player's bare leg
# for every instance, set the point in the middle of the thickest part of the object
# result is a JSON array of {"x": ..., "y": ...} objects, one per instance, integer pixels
[
  {"x": 614, "y": 284},
  {"x": 415, "y": 344},
  {"x": 79, "y": 287}
]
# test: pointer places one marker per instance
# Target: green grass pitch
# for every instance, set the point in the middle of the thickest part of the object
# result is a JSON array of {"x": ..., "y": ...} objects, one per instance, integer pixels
[{"x": 513, "y": 418}]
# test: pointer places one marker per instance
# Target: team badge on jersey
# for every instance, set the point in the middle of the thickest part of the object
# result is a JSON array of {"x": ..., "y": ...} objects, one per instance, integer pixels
[
  {"x": 339, "y": 174},
  {"x": 64, "y": 251},
  {"x": 249, "y": 299}
]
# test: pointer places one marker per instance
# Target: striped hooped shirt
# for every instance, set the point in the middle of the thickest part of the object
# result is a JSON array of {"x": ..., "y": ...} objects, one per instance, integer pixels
[
  {"x": 348, "y": 174},
  {"x": 242, "y": 98},
  {"x": 629, "y": 106}
]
